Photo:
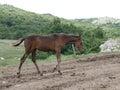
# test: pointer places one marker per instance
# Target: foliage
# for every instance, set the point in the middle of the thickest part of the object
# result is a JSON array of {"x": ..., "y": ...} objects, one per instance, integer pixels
[{"x": 93, "y": 39}]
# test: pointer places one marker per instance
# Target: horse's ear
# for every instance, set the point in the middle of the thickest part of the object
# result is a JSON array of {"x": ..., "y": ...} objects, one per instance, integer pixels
[{"x": 80, "y": 36}]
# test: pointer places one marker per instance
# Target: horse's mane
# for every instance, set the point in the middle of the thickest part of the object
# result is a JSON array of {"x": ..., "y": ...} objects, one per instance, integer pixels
[{"x": 63, "y": 34}]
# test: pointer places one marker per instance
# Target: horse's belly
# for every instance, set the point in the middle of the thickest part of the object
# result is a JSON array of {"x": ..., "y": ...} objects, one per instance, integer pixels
[
  {"x": 45, "y": 49},
  {"x": 46, "y": 46}
]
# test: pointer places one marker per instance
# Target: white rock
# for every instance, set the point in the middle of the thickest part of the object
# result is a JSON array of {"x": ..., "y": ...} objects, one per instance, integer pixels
[
  {"x": 110, "y": 45},
  {"x": 1, "y": 58},
  {"x": 4, "y": 82}
]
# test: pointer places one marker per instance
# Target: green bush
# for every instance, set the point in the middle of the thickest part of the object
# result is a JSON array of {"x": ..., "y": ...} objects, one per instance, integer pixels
[{"x": 93, "y": 39}]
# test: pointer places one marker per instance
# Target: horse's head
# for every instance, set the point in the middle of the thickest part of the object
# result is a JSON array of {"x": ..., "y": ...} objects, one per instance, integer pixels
[{"x": 79, "y": 44}]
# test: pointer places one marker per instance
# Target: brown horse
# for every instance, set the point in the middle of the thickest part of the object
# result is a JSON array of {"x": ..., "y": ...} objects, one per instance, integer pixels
[{"x": 54, "y": 42}]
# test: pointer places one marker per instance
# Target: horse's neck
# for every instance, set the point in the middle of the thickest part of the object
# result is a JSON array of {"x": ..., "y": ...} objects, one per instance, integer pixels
[{"x": 70, "y": 40}]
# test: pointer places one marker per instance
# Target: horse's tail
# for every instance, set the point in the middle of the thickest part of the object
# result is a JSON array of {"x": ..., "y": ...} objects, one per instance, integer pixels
[{"x": 18, "y": 42}]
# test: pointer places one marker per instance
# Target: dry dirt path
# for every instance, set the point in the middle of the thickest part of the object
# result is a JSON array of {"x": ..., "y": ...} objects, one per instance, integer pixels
[{"x": 101, "y": 72}]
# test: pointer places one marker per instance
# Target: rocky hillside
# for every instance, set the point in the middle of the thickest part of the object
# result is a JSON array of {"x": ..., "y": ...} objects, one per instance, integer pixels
[
  {"x": 106, "y": 20},
  {"x": 101, "y": 21}
]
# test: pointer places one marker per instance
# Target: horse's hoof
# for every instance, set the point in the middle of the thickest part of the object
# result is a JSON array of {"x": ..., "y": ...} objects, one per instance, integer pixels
[
  {"x": 60, "y": 72},
  {"x": 54, "y": 70},
  {"x": 18, "y": 75},
  {"x": 41, "y": 74}
]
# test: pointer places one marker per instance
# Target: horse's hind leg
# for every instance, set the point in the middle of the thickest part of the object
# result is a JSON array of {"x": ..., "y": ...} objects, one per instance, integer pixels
[
  {"x": 58, "y": 65},
  {"x": 34, "y": 61},
  {"x": 22, "y": 60}
]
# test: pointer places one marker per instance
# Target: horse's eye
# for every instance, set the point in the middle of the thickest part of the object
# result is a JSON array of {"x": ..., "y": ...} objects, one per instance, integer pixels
[{"x": 80, "y": 43}]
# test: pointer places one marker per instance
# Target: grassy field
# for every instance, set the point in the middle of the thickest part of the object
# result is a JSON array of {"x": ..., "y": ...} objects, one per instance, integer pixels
[{"x": 10, "y": 53}]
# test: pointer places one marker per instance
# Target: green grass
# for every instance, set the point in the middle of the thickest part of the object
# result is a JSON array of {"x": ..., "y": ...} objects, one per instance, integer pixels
[{"x": 10, "y": 53}]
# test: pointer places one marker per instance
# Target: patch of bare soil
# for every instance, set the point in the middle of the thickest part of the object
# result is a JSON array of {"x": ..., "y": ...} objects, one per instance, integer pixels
[{"x": 101, "y": 72}]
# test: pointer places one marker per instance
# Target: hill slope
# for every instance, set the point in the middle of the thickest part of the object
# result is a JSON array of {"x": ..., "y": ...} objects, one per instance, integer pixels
[{"x": 14, "y": 19}]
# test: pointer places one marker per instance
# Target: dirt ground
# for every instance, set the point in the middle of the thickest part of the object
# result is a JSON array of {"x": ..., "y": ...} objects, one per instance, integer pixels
[{"x": 101, "y": 72}]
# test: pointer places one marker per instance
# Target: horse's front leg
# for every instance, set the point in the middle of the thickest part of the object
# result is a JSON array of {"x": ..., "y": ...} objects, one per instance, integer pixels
[
  {"x": 59, "y": 62},
  {"x": 34, "y": 61}
]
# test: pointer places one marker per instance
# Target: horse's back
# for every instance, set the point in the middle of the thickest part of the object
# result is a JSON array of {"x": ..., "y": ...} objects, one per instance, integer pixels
[
  {"x": 47, "y": 43},
  {"x": 43, "y": 43}
]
